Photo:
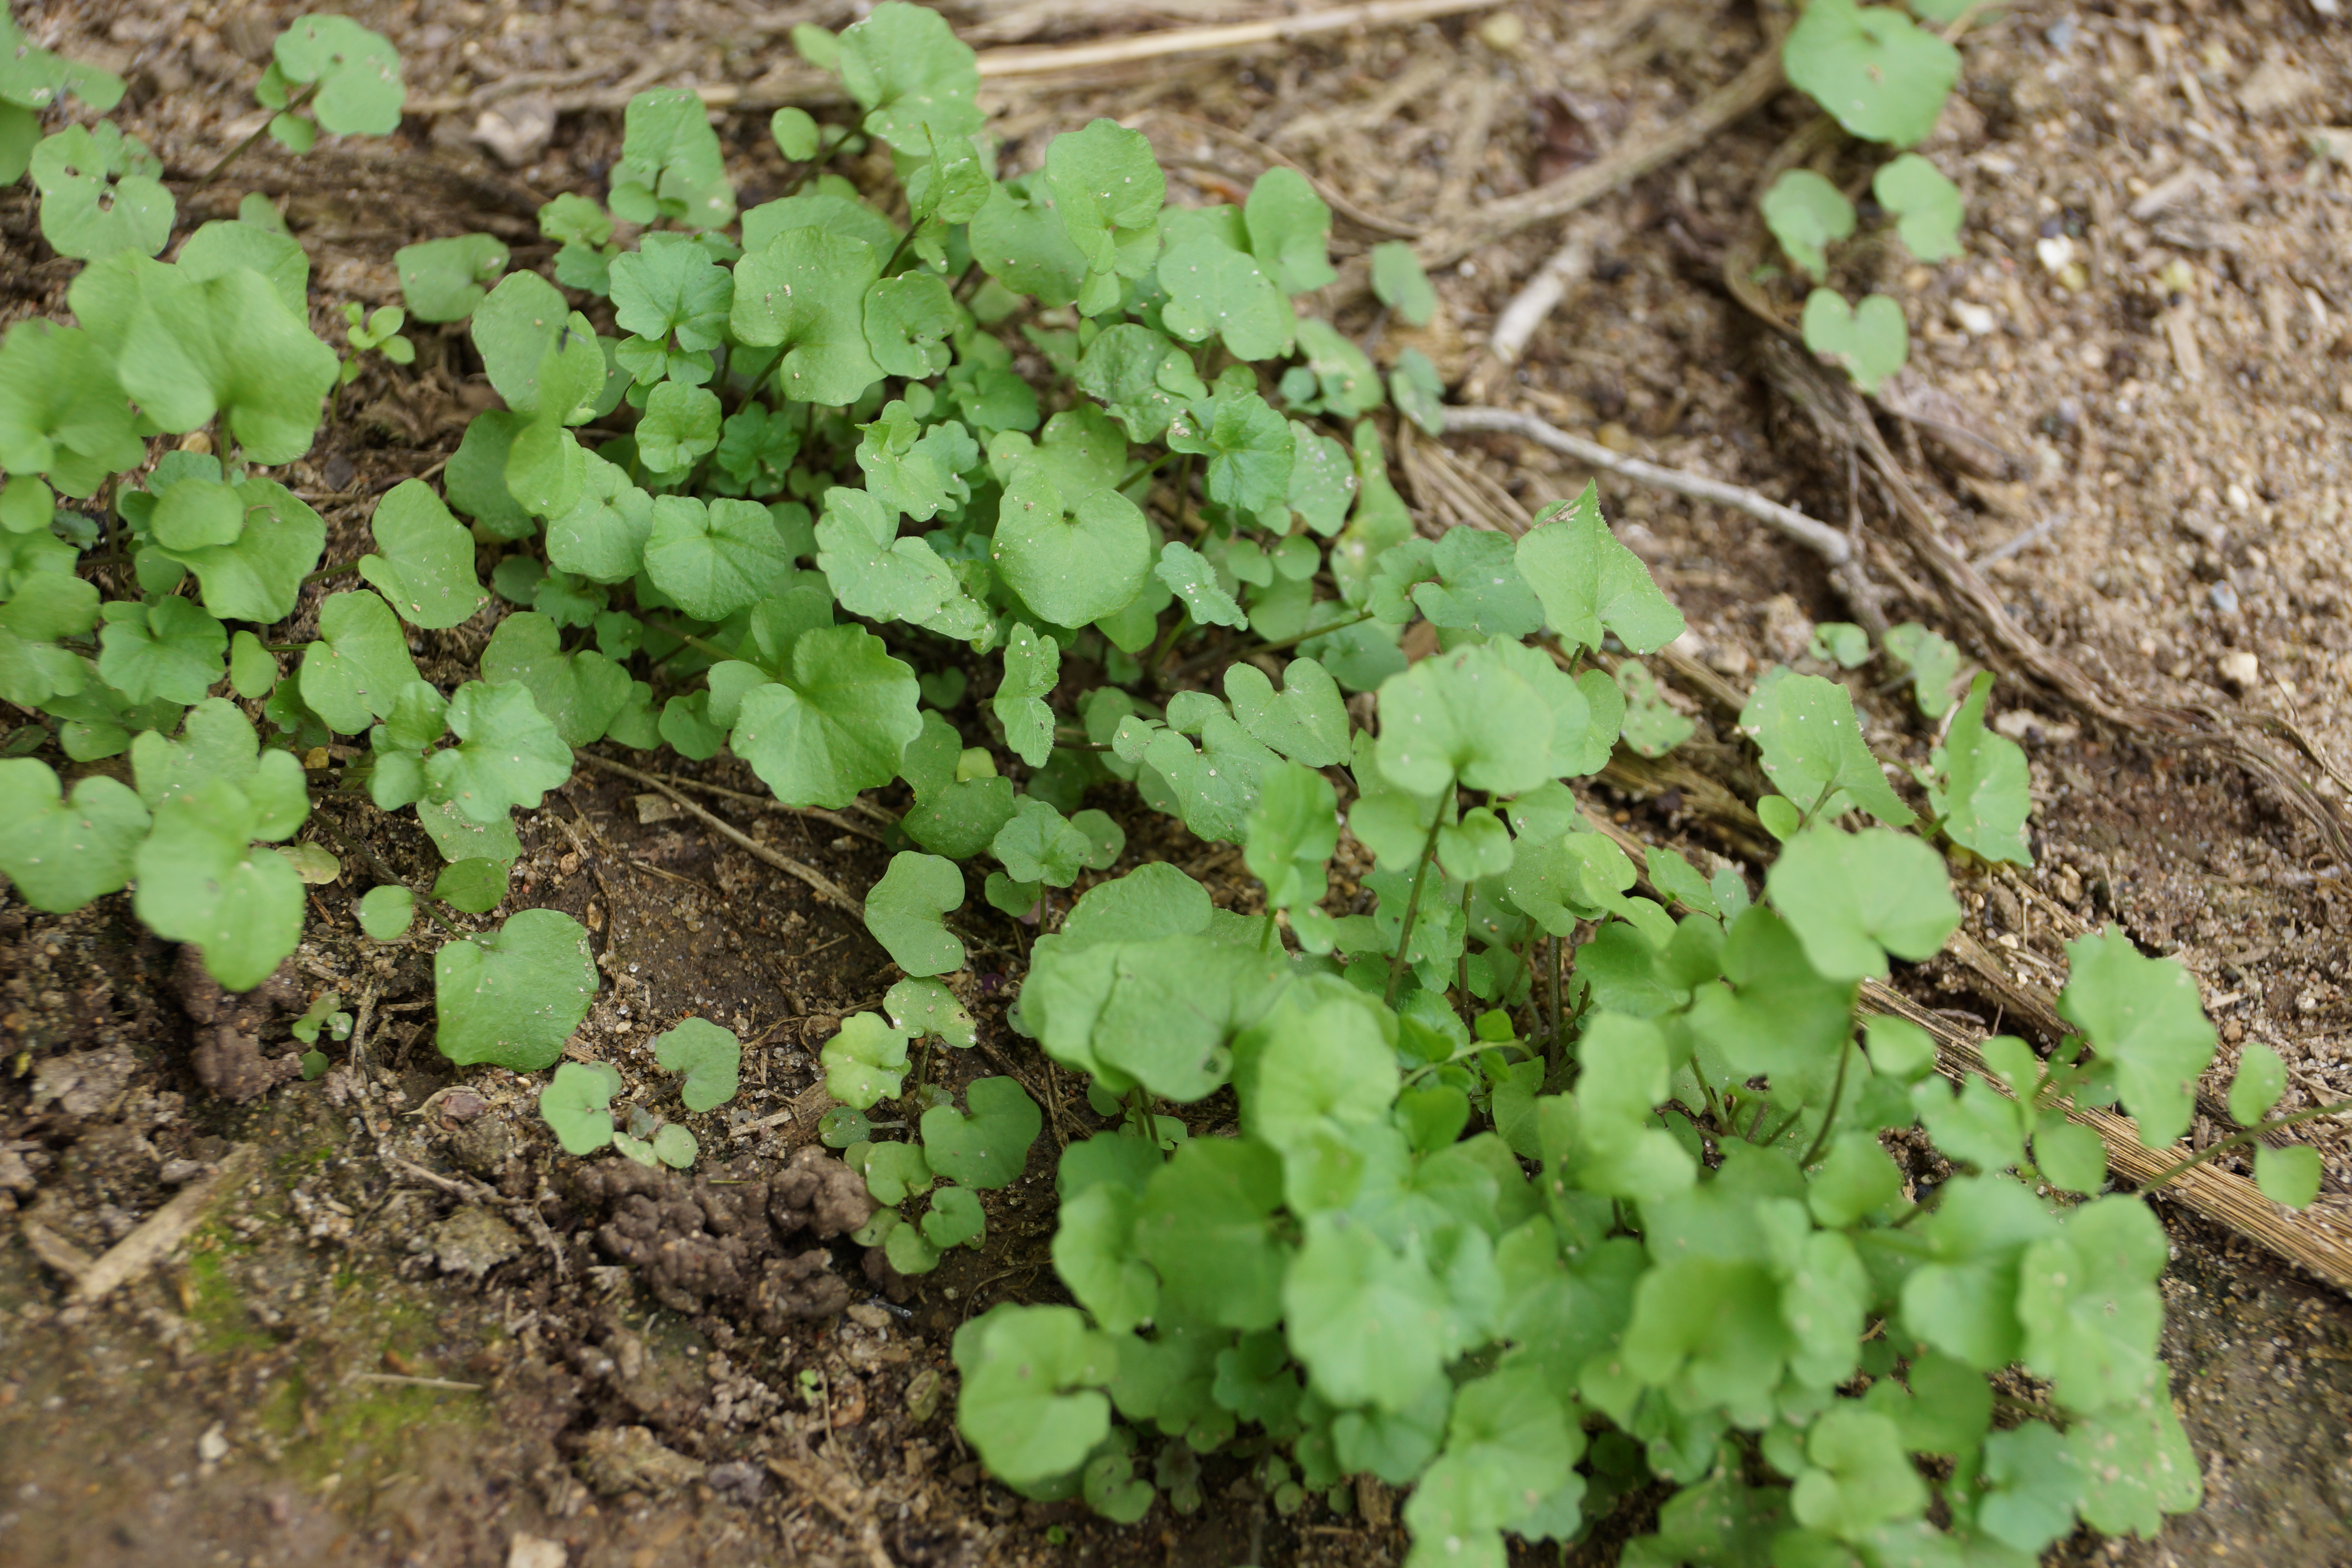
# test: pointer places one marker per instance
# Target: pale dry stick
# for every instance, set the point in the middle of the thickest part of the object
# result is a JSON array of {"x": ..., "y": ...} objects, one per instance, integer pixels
[
  {"x": 1825, "y": 540},
  {"x": 1529, "y": 309},
  {"x": 826, "y": 887},
  {"x": 763, "y": 803},
  {"x": 816, "y": 86},
  {"x": 163, "y": 1230}
]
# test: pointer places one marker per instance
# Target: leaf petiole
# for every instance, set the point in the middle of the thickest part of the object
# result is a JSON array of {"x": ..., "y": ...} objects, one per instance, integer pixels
[
  {"x": 2239, "y": 1140},
  {"x": 308, "y": 91},
  {"x": 1412, "y": 908}
]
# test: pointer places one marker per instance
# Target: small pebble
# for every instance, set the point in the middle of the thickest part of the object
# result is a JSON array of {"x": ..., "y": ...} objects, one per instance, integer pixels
[
  {"x": 2239, "y": 670},
  {"x": 2223, "y": 597}
]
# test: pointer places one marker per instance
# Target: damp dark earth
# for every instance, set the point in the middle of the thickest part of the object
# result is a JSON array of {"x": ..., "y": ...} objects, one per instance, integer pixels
[{"x": 364, "y": 1308}]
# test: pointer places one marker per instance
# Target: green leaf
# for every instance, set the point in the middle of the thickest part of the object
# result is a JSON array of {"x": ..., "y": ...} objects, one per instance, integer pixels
[
  {"x": 1858, "y": 1477},
  {"x": 2035, "y": 1485},
  {"x": 444, "y": 279},
  {"x": 169, "y": 650},
  {"x": 2088, "y": 1301},
  {"x": 988, "y": 1148},
  {"x": 1419, "y": 391},
  {"x": 1653, "y": 727},
  {"x": 1033, "y": 667},
  {"x": 63, "y": 853},
  {"x": 1292, "y": 832},
  {"x": 1853, "y": 898},
  {"x": 1019, "y": 1364},
  {"x": 927, "y": 1007},
  {"x": 509, "y": 755},
  {"x": 707, "y": 1055},
  {"x": 386, "y": 912},
  {"x": 1507, "y": 1443},
  {"x": 223, "y": 245},
  {"x": 837, "y": 723},
  {"x": 1205, "y": 1222},
  {"x": 1963, "y": 1302},
  {"x": 357, "y": 72},
  {"x": 676, "y": 1147},
  {"x": 260, "y": 577},
  {"x": 522, "y": 322},
  {"x": 1108, "y": 187},
  {"x": 1871, "y": 340},
  {"x": 187, "y": 349},
  {"x": 1805, "y": 213},
  {"x": 1927, "y": 205},
  {"x": 1194, "y": 581},
  {"x": 1932, "y": 660},
  {"x": 513, "y": 997},
  {"x": 1289, "y": 230},
  {"x": 1361, "y": 1317},
  {"x": 908, "y": 321},
  {"x": 1605, "y": 1132},
  {"x": 1305, "y": 721},
  {"x": 1162, "y": 1011},
  {"x": 1590, "y": 582},
  {"x": 2260, "y": 1079},
  {"x": 200, "y": 879},
  {"x": 61, "y": 413},
  {"x": 1985, "y": 790},
  {"x": 866, "y": 1061},
  {"x": 1072, "y": 559},
  {"x": 680, "y": 427},
  {"x": 671, "y": 285},
  {"x": 476, "y": 884},
  {"x": 670, "y": 164},
  {"x": 717, "y": 558},
  {"x": 914, "y": 77},
  {"x": 1122, "y": 369},
  {"x": 1813, "y": 750},
  {"x": 574, "y": 1104},
  {"x": 99, "y": 193},
  {"x": 1216, "y": 290},
  {"x": 795, "y": 134},
  {"x": 804, "y": 294},
  {"x": 873, "y": 572},
  {"x": 1884, "y": 76},
  {"x": 903, "y": 908},
  {"x": 1250, "y": 447},
  {"x": 1463, "y": 717},
  {"x": 1399, "y": 283},
  {"x": 955, "y": 1219},
  {"x": 1018, "y": 239},
  {"x": 33, "y": 78},
  {"x": 2136, "y": 1466},
  {"x": 2143, "y": 1016},
  {"x": 2289, "y": 1176},
  {"x": 423, "y": 560},
  {"x": 359, "y": 666}
]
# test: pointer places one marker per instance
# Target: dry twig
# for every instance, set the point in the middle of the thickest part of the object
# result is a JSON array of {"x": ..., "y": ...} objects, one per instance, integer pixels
[{"x": 825, "y": 885}]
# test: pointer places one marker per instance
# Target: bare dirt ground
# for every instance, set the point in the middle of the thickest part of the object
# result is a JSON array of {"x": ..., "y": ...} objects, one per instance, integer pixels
[{"x": 403, "y": 1341}]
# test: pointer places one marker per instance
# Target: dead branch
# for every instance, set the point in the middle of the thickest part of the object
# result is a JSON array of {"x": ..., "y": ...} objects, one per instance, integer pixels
[{"x": 826, "y": 887}]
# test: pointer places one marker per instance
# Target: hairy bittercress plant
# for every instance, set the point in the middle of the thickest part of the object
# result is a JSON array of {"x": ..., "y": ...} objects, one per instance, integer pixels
[{"x": 1555, "y": 1174}]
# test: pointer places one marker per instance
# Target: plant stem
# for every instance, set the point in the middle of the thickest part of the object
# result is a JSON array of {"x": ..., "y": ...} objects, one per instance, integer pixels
[
  {"x": 1554, "y": 1054},
  {"x": 1142, "y": 469},
  {"x": 2238, "y": 1139},
  {"x": 1413, "y": 908},
  {"x": 688, "y": 639},
  {"x": 1167, "y": 643},
  {"x": 1461, "y": 963},
  {"x": 1829, "y": 1117},
  {"x": 232, "y": 154},
  {"x": 323, "y": 572}
]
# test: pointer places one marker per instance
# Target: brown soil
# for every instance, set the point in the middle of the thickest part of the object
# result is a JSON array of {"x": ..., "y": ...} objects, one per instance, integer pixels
[{"x": 413, "y": 1337}]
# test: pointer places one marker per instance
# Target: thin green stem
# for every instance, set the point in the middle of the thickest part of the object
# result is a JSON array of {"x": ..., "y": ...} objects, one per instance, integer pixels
[
  {"x": 906, "y": 239},
  {"x": 1829, "y": 1117},
  {"x": 323, "y": 572},
  {"x": 1780, "y": 1129},
  {"x": 1413, "y": 908},
  {"x": 2239, "y": 1140},
  {"x": 1142, "y": 469},
  {"x": 1462, "y": 961},
  {"x": 702, "y": 644},
  {"x": 239, "y": 151},
  {"x": 1161, "y": 650},
  {"x": 1554, "y": 1054}
]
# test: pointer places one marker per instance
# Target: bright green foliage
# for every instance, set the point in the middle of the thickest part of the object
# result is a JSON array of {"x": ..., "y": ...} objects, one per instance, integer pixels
[
  {"x": 912, "y": 74},
  {"x": 988, "y": 1148},
  {"x": 169, "y": 650},
  {"x": 100, "y": 194},
  {"x": 202, "y": 878},
  {"x": 574, "y": 1103},
  {"x": 508, "y": 755},
  {"x": 714, "y": 559},
  {"x": 1854, "y": 898},
  {"x": 360, "y": 665},
  {"x": 423, "y": 561},
  {"x": 1292, "y": 832},
  {"x": 444, "y": 279},
  {"x": 1072, "y": 557},
  {"x": 1289, "y": 230},
  {"x": 927, "y": 1007},
  {"x": 1653, "y": 727},
  {"x": 1590, "y": 582},
  {"x": 1881, "y": 74},
  {"x": 1418, "y": 391},
  {"x": 60, "y": 413},
  {"x": 1806, "y": 214},
  {"x": 2143, "y": 1015},
  {"x": 386, "y": 912},
  {"x": 513, "y": 997},
  {"x": 670, "y": 164},
  {"x": 357, "y": 73},
  {"x": 187, "y": 348},
  {"x": 31, "y": 77},
  {"x": 865, "y": 1062},
  {"x": 1401, "y": 284},
  {"x": 1194, "y": 581},
  {"x": 1813, "y": 749},
  {"x": 707, "y": 1055},
  {"x": 476, "y": 885},
  {"x": 1020, "y": 1366},
  {"x": 836, "y": 723},
  {"x": 1932, "y": 660},
  {"x": 1980, "y": 787},
  {"x": 903, "y": 908},
  {"x": 1033, "y": 665},
  {"x": 2260, "y": 1079},
  {"x": 1217, "y": 290},
  {"x": 803, "y": 295},
  {"x": 1108, "y": 188},
  {"x": 1871, "y": 341},
  {"x": 1927, "y": 204},
  {"x": 63, "y": 852}
]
